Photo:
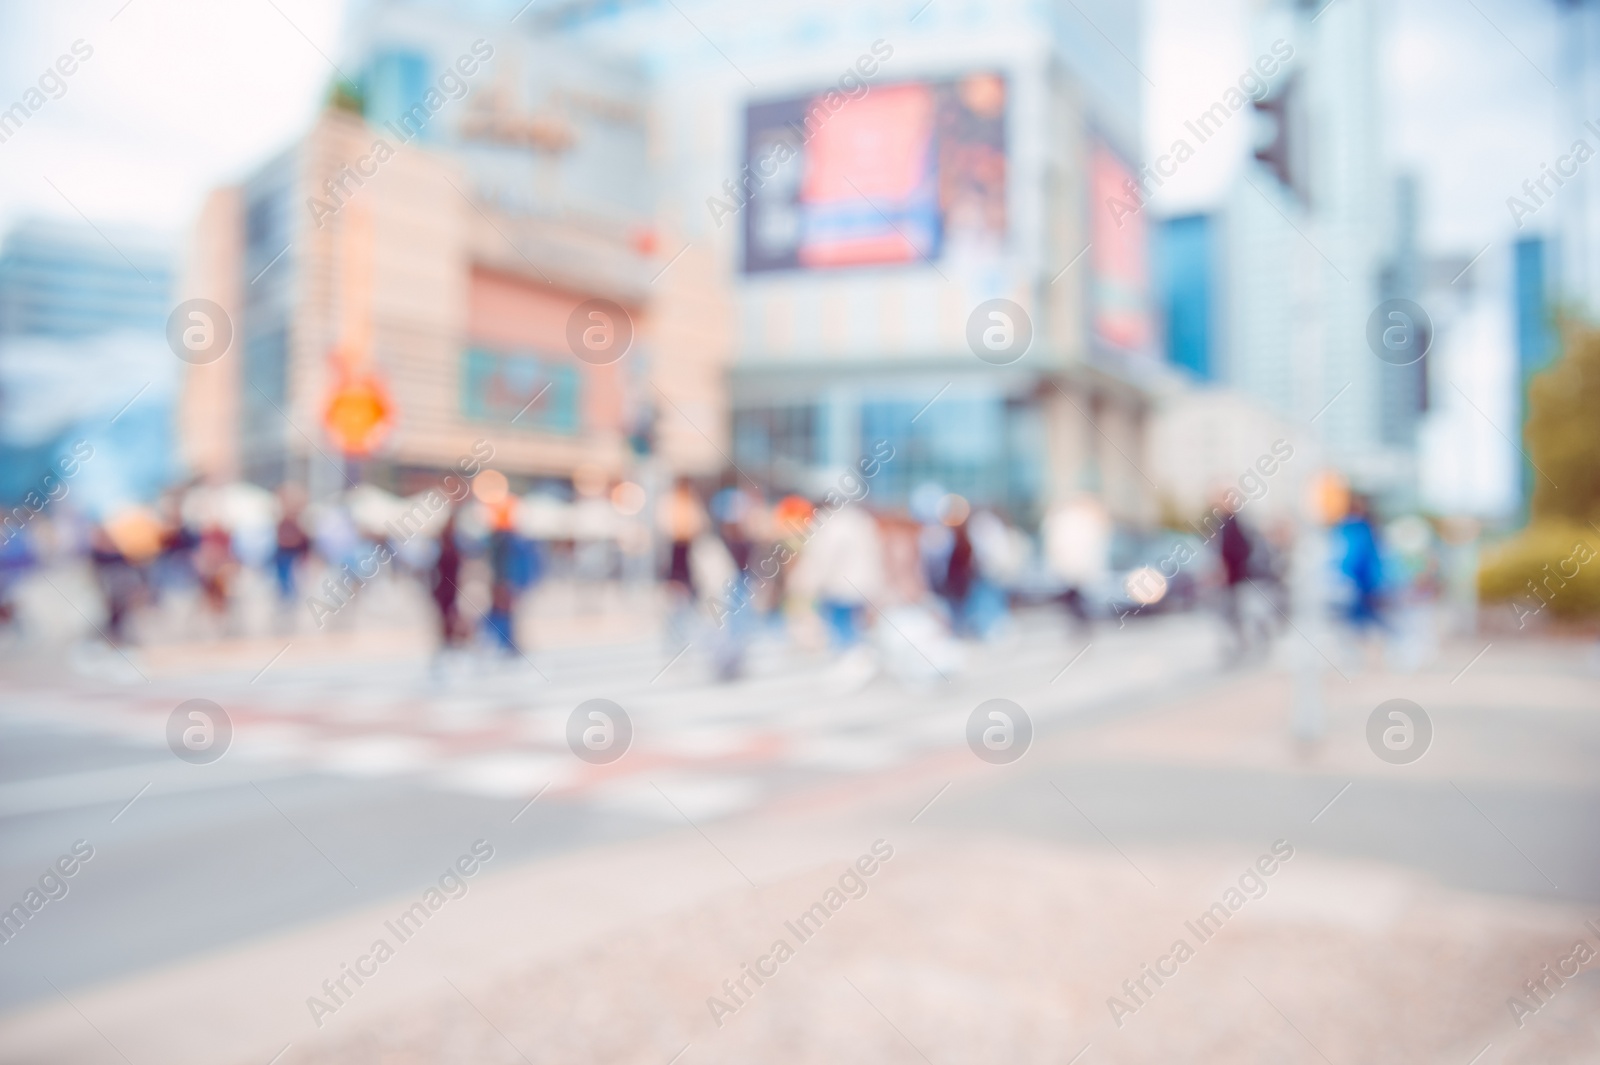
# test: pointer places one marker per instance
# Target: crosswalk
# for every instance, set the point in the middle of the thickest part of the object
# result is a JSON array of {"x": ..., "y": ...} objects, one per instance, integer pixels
[{"x": 498, "y": 727}]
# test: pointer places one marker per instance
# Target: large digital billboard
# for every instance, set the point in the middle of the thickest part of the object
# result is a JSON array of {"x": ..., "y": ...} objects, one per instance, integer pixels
[
  {"x": 899, "y": 173},
  {"x": 1120, "y": 270}
]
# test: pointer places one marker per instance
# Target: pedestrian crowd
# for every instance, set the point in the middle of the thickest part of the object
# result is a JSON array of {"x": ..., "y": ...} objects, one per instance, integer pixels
[{"x": 900, "y": 588}]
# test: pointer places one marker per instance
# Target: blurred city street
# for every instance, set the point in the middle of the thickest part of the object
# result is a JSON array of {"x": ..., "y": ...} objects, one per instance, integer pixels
[{"x": 700, "y": 532}]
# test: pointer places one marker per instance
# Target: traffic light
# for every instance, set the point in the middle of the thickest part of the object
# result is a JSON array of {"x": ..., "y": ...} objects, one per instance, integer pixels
[{"x": 1282, "y": 148}]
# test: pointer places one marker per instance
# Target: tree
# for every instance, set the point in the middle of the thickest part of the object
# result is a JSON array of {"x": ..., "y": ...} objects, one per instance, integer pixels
[
  {"x": 346, "y": 96},
  {"x": 1554, "y": 562},
  {"x": 1563, "y": 433}
]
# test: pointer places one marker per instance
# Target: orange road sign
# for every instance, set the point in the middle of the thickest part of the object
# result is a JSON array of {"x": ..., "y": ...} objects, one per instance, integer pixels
[{"x": 359, "y": 414}]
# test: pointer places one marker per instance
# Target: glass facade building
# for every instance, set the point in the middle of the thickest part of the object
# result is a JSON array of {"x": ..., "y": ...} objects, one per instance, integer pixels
[
  {"x": 67, "y": 281},
  {"x": 1184, "y": 282},
  {"x": 83, "y": 357}
]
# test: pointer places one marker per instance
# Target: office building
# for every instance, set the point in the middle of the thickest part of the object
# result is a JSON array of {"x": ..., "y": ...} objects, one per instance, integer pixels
[
  {"x": 1185, "y": 258},
  {"x": 434, "y": 235},
  {"x": 65, "y": 280},
  {"x": 860, "y": 178},
  {"x": 1535, "y": 288},
  {"x": 1403, "y": 389},
  {"x": 83, "y": 357},
  {"x": 1304, "y": 236}
]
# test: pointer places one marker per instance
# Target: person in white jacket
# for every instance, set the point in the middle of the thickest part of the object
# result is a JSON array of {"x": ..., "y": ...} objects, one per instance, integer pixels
[
  {"x": 841, "y": 569},
  {"x": 1077, "y": 548}
]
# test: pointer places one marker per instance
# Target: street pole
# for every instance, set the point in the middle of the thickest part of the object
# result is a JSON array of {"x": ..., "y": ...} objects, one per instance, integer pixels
[{"x": 1308, "y": 603}]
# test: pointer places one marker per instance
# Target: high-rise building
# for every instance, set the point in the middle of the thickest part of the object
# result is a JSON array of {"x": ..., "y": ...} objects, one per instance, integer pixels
[
  {"x": 1186, "y": 265},
  {"x": 862, "y": 178},
  {"x": 1403, "y": 389},
  {"x": 82, "y": 356},
  {"x": 1578, "y": 212},
  {"x": 1304, "y": 235},
  {"x": 1467, "y": 467},
  {"x": 1534, "y": 300},
  {"x": 66, "y": 280}
]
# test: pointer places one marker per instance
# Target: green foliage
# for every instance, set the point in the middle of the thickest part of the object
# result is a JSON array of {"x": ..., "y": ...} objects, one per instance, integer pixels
[
  {"x": 1552, "y": 567},
  {"x": 1563, "y": 434},
  {"x": 1563, "y": 440},
  {"x": 347, "y": 96}
]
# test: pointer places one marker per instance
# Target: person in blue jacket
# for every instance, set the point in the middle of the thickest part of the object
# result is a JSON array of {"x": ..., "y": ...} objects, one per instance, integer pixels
[{"x": 1362, "y": 563}]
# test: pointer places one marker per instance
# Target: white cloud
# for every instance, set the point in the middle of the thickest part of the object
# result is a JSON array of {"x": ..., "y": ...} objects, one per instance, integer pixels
[{"x": 179, "y": 96}]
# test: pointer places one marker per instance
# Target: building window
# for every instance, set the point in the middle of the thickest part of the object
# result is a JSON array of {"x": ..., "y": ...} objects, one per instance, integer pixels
[
  {"x": 539, "y": 394},
  {"x": 783, "y": 442},
  {"x": 396, "y": 83},
  {"x": 983, "y": 447},
  {"x": 264, "y": 401}
]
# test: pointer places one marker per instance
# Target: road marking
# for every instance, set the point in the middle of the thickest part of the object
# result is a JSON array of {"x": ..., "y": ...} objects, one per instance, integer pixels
[{"x": 75, "y": 791}]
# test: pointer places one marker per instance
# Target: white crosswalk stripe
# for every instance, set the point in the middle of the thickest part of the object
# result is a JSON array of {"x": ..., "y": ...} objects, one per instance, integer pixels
[{"x": 495, "y": 728}]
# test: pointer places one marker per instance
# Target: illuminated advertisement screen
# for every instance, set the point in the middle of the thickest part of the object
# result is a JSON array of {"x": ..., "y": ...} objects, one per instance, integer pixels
[
  {"x": 1120, "y": 269},
  {"x": 500, "y": 387},
  {"x": 896, "y": 174}
]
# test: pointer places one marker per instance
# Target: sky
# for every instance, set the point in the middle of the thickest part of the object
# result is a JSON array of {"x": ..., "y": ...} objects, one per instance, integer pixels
[{"x": 180, "y": 96}]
